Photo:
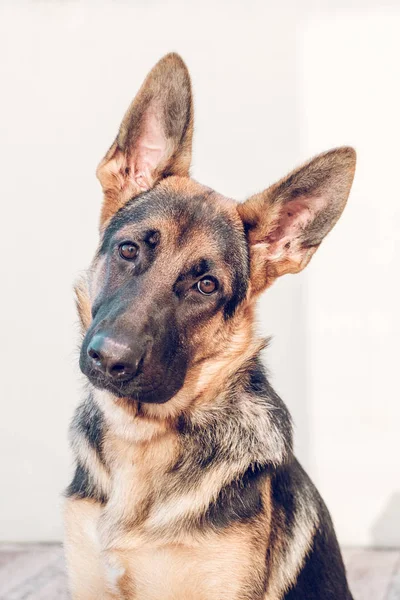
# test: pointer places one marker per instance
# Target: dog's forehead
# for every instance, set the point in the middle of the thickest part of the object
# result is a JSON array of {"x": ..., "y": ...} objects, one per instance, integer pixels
[{"x": 184, "y": 209}]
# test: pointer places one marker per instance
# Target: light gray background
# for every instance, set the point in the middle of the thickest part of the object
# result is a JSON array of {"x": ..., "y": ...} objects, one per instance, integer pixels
[{"x": 274, "y": 83}]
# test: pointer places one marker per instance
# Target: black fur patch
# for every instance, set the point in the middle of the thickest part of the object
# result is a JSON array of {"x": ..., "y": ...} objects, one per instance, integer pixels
[
  {"x": 239, "y": 291},
  {"x": 284, "y": 484},
  {"x": 82, "y": 486},
  {"x": 323, "y": 575},
  {"x": 240, "y": 501},
  {"x": 197, "y": 270},
  {"x": 258, "y": 385},
  {"x": 122, "y": 217},
  {"x": 89, "y": 422},
  {"x": 257, "y": 382}
]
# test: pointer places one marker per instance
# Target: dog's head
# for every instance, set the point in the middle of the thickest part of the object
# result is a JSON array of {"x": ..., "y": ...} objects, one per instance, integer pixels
[{"x": 172, "y": 286}]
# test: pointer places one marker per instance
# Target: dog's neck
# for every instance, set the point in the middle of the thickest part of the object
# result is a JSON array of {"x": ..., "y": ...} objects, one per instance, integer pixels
[{"x": 237, "y": 407}]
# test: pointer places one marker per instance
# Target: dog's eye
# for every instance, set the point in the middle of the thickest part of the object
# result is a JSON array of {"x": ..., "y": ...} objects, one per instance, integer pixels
[
  {"x": 207, "y": 286},
  {"x": 128, "y": 250}
]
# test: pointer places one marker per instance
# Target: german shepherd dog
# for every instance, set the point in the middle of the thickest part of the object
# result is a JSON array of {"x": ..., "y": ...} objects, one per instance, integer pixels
[{"x": 186, "y": 487}]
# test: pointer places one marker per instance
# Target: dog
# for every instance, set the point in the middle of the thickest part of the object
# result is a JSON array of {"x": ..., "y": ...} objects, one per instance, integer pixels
[{"x": 186, "y": 486}]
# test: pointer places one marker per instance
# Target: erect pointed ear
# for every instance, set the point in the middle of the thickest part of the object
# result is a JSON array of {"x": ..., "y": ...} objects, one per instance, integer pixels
[
  {"x": 286, "y": 223},
  {"x": 155, "y": 137}
]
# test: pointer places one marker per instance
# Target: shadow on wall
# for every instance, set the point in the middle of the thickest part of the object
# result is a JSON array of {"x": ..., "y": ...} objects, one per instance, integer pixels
[{"x": 385, "y": 532}]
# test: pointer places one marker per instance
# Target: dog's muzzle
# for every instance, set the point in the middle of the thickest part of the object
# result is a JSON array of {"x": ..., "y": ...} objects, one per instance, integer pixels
[{"x": 114, "y": 358}]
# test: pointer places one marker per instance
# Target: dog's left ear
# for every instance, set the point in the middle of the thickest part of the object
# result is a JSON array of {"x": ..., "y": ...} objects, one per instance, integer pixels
[
  {"x": 154, "y": 139},
  {"x": 286, "y": 223}
]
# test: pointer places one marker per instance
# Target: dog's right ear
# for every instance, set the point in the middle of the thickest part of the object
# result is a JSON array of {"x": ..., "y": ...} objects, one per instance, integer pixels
[{"x": 155, "y": 137}]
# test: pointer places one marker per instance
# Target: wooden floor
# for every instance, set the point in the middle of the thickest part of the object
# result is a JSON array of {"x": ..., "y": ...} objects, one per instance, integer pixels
[{"x": 36, "y": 572}]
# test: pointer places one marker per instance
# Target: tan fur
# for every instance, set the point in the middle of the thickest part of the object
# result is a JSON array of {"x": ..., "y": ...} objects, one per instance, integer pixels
[
  {"x": 82, "y": 549},
  {"x": 201, "y": 570},
  {"x": 83, "y": 303},
  {"x": 107, "y": 561},
  {"x": 131, "y": 549}
]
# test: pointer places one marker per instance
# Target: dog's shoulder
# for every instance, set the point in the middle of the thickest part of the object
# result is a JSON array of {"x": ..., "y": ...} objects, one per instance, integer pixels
[{"x": 305, "y": 559}]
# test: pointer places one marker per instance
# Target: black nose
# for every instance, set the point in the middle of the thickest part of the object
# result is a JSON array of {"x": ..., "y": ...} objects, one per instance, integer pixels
[{"x": 114, "y": 358}]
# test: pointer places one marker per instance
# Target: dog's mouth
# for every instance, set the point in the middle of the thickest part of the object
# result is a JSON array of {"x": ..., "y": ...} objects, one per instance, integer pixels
[{"x": 157, "y": 391}]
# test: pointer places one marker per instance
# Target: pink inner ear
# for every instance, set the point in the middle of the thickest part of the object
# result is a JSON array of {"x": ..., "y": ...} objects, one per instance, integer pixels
[
  {"x": 295, "y": 216},
  {"x": 149, "y": 151}
]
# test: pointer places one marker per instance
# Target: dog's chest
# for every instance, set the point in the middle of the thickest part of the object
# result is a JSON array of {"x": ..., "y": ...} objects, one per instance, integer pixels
[
  {"x": 215, "y": 566},
  {"x": 144, "y": 560}
]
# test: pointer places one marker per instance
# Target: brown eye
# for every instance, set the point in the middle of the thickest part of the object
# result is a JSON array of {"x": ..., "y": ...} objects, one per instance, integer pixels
[
  {"x": 207, "y": 286},
  {"x": 128, "y": 250}
]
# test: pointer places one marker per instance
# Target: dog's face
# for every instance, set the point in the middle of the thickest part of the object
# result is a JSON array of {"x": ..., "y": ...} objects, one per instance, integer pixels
[
  {"x": 178, "y": 267},
  {"x": 171, "y": 269}
]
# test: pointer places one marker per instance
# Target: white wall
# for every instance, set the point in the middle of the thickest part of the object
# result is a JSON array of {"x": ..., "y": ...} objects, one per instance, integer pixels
[{"x": 273, "y": 85}]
